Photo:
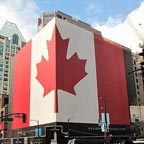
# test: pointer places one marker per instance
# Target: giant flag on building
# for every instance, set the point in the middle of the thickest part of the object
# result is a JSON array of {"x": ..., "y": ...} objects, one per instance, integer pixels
[{"x": 64, "y": 72}]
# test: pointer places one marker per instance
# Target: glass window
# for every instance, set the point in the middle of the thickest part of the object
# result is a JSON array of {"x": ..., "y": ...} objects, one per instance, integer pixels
[
  {"x": 13, "y": 47},
  {"x": 1, "y": 48},
  {"x": 15, "y": 39},
  {"x": 0, "y": 73},
  {"x": 7, "y": 43},
  {"x": 7, "y": 53},
  {"x": 4, "y": 91},
  {"x": 5, "y": 79},
  {"x": 1, "y": 61},
  {"x": 12, "y": 51},
  {"x": 18, "y": 48},
  {"x": 6, "y": 62},
  {"x": 6, "y": 58},
  {"x": 5, "y": 83},
  {"x": 7, "y": 49},
  {"x": 1, "y": 54},
  {"x": 138, "y": 92},
  {"x": 59, "y": 16},
  {"x": 23, "y": 43},
  {"x": 5, "y": 66},
  {"x": 5, "y": 75},
  {"x": 1, "y": 44},
  {"x": 6, "y": 70}
]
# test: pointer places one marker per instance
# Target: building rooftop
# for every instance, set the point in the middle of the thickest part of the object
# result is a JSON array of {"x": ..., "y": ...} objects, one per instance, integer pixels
[
  {"x": 47, "y": 16},
  {"x": 9, "y": 29}
]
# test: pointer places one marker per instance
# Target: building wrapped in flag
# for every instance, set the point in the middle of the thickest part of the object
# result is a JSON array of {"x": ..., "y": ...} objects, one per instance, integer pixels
[{"x": 69, "y": 76}]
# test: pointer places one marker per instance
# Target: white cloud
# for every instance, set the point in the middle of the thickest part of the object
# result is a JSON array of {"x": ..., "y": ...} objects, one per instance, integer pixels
[
  {"x": 22, "y": 12},
  {"x": 128, "y": 33},
  {"x": 94, "y": 7},
  {"x": 25, "y": 13}
]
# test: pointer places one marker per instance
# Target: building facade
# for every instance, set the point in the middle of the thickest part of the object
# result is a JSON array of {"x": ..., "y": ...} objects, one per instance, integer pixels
[
  {"x": 139, "y": 83},
  {"x": 71, "y": 77},
  {"x": 71, "y": 80},
  {"x": 47, "y": 17}
]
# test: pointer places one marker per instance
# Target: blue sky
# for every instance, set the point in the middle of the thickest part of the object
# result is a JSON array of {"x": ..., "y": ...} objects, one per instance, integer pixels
[
  {"x": 112, "y": 17},
  {"x": 87, "y": 10}
]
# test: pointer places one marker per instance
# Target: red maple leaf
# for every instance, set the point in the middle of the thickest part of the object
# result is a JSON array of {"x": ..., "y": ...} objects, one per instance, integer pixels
[{"x": 59, "y": 72}]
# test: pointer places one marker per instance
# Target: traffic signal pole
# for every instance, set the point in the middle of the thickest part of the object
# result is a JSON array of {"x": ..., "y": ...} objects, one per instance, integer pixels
[{"x": 9, "y": 118}]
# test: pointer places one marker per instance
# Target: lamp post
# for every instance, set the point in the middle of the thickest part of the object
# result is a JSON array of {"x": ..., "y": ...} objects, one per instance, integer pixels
[
  {"x": 37, "y": 121},
  {"x": 68, "y": 124}
]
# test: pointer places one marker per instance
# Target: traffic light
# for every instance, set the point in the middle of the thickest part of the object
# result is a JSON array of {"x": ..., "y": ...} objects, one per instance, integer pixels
[
  {"x": 5, "y": 119},
  {"x": 142, "y": 53},
  {"x": 24, "y": 118}
]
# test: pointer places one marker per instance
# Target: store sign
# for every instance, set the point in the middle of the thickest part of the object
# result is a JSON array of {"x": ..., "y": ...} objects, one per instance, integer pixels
[
  {"x": 38, "y": 132},
  {"x": 105, "y": 122}
]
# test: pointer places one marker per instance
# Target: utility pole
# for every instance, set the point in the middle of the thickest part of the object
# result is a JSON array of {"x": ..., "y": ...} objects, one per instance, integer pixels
[{"x": 68, "y": 131}]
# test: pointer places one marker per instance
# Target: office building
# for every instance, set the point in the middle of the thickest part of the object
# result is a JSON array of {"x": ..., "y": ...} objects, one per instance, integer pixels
[
  {"x": 70, "y": 81},
  {"x": 72, "y": 77},
  {"x": 11, "y": 41}
]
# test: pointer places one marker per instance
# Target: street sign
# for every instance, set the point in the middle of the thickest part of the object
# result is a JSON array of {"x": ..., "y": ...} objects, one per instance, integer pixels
[
  {"x": 7, "y": 119},
  {"x": 105, "y": 122},
  {"x": 105, "y": 118},
  {"x": 38, "y": 132}
]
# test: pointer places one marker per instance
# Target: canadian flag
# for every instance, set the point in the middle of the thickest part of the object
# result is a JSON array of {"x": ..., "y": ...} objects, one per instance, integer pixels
[{"x": 60, "y": 75}]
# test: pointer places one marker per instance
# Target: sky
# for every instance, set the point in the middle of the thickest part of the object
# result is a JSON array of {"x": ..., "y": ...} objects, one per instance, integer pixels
[{"x": 121, "y": 21}]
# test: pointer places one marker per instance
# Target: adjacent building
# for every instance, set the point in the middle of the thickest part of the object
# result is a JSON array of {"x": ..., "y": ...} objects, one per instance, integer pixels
[
  {"x": 11, "y": 42},
  {"x": 139, "y": 83},
  {"x": 136, "y": 111}
]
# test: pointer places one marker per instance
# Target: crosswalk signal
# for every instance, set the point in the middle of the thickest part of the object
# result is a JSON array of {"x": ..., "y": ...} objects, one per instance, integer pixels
[
  {"x": 24, "y": 118},
  {"x": 142, "y": 53}
]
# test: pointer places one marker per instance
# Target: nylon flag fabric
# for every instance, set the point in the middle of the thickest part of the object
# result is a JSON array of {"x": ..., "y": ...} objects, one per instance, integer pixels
[
  {"x": 57, "y": 77},
  {"x": 111, "y": 80}
]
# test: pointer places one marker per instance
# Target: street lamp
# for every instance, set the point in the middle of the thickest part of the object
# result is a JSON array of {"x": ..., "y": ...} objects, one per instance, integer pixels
[
  {"x": 37, "y": 121},
  {"x": 68, "y": 124}
]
